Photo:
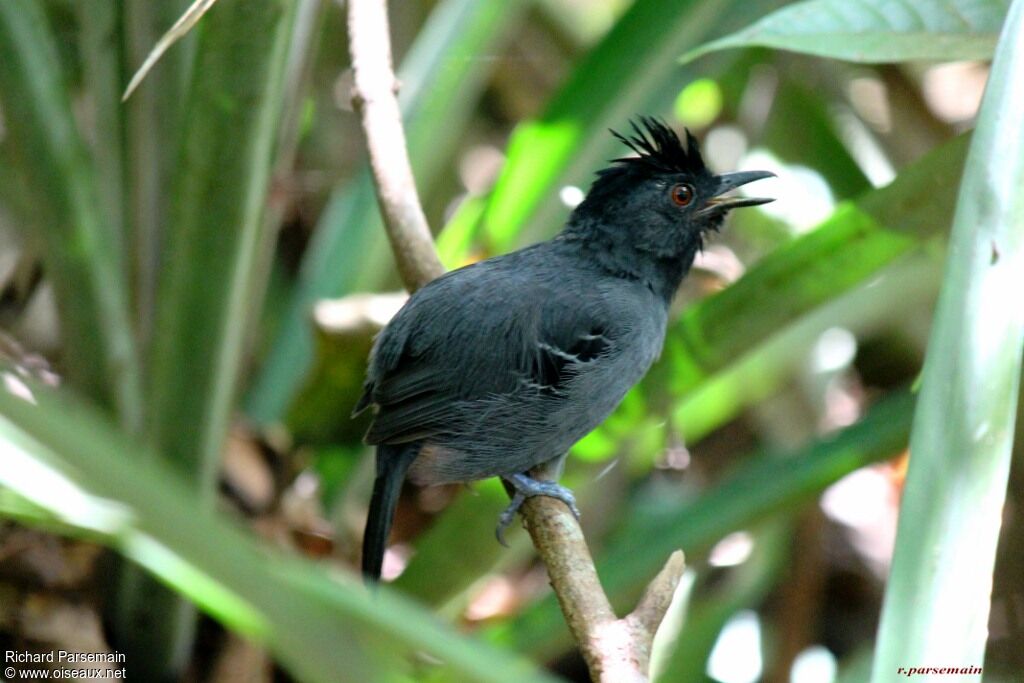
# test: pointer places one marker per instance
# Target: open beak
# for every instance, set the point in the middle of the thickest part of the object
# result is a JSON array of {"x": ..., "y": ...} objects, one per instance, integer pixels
[{"x": 730, "y": 181}]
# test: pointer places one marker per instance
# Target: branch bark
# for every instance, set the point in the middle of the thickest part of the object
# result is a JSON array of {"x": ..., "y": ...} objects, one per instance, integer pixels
[
  {"x": 616, "y": 650},
  {"x": 373, "y": 97}
]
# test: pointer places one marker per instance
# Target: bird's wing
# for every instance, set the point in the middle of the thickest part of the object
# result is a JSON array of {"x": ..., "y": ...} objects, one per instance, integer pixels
[{"x": 462, "y": 340}]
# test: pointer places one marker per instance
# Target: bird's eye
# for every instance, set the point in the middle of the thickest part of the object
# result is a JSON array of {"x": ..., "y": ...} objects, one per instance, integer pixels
[{"x": 682, "y": 194}]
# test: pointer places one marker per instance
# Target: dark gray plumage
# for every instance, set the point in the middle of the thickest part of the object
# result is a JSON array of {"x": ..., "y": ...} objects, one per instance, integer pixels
[{"x": 501, "y": 366}]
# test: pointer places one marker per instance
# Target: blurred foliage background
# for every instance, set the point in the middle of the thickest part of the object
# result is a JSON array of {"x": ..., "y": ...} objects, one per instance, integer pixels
[{"x": 191, "y": 280}]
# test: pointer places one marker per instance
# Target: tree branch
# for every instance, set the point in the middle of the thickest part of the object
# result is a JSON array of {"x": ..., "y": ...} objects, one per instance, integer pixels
[
  {"x": 373, "y": 96},
  {"x": 616, "y": 650}
]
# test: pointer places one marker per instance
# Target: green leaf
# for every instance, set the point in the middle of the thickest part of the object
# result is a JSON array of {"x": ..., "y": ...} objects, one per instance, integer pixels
[
  {"x": 216, "y": 234},
  {"x": 763, "y": 486},
  {"x": 82, "y": 249},
  {"x": 152, "y": 121},
  {"x": 323, "y": 626},
  {"x": 910, "y": 286},
  {"x": 937, "y": 600},
  {"x": 215, "y": 240},
  {"x": 442, "y": 75},
  {"x": 875, "y": 31},
  {"x": 100, "y": 43}
]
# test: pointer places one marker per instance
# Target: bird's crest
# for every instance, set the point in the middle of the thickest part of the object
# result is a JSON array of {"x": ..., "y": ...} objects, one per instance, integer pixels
[{"x": 659, "y": 148}]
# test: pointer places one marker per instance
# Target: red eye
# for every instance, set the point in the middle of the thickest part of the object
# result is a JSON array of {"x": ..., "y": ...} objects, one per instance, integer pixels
[{"x": 682, "y": 194}]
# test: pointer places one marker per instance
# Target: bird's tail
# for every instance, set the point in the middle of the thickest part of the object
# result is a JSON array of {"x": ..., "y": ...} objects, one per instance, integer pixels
[{"x": 392, "y": 464}]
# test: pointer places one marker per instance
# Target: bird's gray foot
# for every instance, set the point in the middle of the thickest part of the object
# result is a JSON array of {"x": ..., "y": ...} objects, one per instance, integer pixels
[{"x": 527, "y": 487}]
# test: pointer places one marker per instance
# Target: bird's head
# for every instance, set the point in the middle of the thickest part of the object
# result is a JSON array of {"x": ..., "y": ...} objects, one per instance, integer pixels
[{"x": 662, "y": 201}]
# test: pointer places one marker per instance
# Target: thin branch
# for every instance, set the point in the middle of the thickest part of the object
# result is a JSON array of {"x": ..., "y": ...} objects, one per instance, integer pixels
[
  {"x": 373, "y": 96},
  {"x": 616, "y": 650}
]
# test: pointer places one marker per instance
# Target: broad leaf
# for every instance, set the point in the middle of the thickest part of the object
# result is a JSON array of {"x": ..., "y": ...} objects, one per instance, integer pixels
[{"x": 875, "y": 31}]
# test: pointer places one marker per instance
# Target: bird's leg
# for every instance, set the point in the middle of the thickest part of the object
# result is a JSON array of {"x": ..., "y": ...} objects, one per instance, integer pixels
[
  {"x": 507, "y": 515},
  {"x": 527, "y": 487}
]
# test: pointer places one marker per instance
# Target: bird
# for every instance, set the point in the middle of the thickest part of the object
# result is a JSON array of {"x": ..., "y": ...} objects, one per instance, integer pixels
[{"x": 499, "y": 367}]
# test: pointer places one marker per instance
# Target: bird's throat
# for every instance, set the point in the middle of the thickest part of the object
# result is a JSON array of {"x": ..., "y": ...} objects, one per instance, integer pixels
[{"x": 661, "y": 274}]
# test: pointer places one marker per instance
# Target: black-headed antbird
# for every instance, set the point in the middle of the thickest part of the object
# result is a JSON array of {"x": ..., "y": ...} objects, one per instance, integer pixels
[{"x": 501, "y": 366}]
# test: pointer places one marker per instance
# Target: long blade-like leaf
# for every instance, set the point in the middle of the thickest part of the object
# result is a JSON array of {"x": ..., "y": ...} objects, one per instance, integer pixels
[
  {"x": 323, "y": 628},
  {"x": 100, "y": 47},
  {"x": 83, "y": 251},
  {"x": 152, "y": 120},
  {"x": 937, "y": 599},
  {"x": 214, "y": 241},
  {"x": 216, "y": 236},
  {"x": 875, "y": 31}
]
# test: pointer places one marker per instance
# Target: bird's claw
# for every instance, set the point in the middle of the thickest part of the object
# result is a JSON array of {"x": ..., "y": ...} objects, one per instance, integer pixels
[
  {"x": 507, "y": 515},
  {"x": 527, "y": 487}
]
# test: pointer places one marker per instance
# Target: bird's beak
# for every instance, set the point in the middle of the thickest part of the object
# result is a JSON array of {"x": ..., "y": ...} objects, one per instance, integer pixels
[{"x": 730, "y": 181}]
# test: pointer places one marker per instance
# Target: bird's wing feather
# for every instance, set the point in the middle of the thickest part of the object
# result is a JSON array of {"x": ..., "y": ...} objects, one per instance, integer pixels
[{"x": 423, "y": 369}]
